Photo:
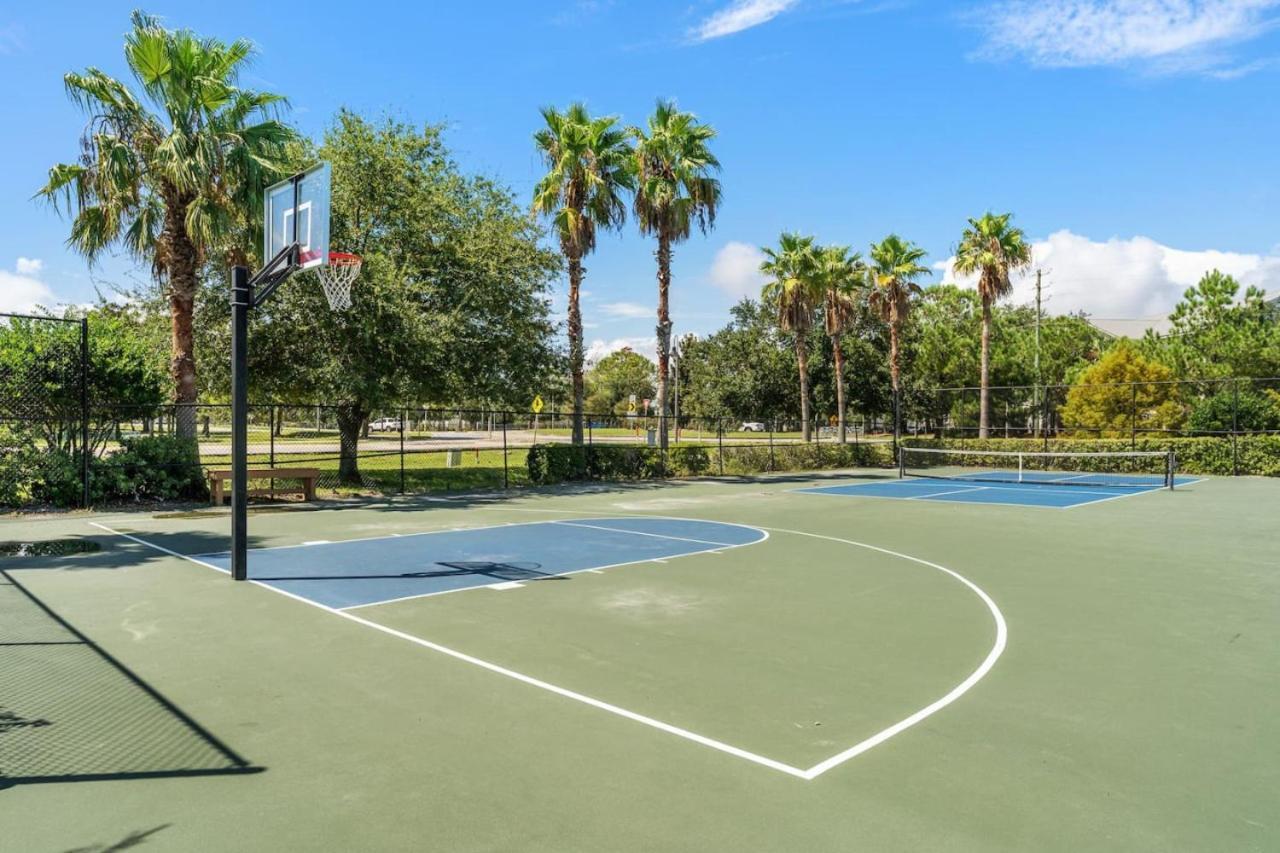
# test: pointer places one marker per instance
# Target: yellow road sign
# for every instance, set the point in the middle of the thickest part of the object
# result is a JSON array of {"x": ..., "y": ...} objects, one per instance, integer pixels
[{"x": 537, "y": 404}]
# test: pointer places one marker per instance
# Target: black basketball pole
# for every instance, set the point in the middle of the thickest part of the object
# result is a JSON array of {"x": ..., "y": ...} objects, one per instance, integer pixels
[{"x": 241, "y": 301}]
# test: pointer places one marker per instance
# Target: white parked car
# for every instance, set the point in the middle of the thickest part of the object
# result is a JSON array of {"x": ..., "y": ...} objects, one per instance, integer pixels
[
  {"x": 385, "y": 425},
  {"x": 751, "y": 426}
]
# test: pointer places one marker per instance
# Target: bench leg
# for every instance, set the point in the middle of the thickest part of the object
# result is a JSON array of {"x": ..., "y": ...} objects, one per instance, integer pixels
[{"x": 309, "y": 488}]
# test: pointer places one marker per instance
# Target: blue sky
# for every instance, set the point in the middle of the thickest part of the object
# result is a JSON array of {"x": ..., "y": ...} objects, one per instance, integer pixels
[{"x": 1136, "y": 141}]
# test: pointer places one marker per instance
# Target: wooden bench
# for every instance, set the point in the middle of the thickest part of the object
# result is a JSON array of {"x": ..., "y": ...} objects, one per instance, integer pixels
[{"x": 308, "y": 476}]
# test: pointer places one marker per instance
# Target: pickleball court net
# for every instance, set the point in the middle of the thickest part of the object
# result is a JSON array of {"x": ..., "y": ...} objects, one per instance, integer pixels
[{"x": 1116, "y": 469}]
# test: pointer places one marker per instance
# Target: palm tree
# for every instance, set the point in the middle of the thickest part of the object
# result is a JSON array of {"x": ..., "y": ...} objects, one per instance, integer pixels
[
  {"x": 794, "y": 293},
  {"x": 993, "y": 249},
  {"x": 842, "y": 277},
  {"x": 674, "y": 190},
  {"x": 589, "y": 168},
  {"x": 173, "y": 175},
  {"x": 895, "y": 265}
]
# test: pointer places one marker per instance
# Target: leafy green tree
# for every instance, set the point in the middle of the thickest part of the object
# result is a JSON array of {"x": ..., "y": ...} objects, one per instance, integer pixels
[
  {"x": 1216, "y": 334},
  {"x": 842, "y": 277},
  {"x": 893, "y": 270},
  {"x": 451, "y": 303},
  {"x": 1124, "y": 391},
  {"x": 675, "y": 188},
  {"x": 589, "y": 169},
  {"x": 794, "y": 293},
  {"x": 40, "y": 375},
  {"x": 1232, "y": 409},
  {"x": 744, "y": 371},
  {"x": 168, "y": 180},
  {"x": 617, "y": 376},
  {"x": 993, "y": 249}
]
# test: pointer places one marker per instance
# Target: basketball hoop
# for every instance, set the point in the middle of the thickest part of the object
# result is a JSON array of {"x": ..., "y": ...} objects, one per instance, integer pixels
[{"x": 336, "y": 278}]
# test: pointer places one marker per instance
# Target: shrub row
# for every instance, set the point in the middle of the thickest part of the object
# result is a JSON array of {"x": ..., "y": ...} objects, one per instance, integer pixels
[
  {"x": 560, "y": 463},
  {"x": 1215, "y": 456},
  {"x": 151, "y": 468}
]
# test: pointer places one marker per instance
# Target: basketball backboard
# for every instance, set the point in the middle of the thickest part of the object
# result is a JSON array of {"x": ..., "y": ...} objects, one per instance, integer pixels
[{"x": 297, "y": 211}]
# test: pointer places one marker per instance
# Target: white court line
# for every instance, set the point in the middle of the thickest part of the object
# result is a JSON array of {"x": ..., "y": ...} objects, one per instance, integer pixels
[
  {"x": 963, "y": 491},
  {"x": 997, "y": 649},
  {"x": 718, "y": 549},
  {"x": 505, "y": 585},
  {"x": 318, "y": 542},
  {"x": 641, "y": 533},
  {"x": 501, "y": 670}
]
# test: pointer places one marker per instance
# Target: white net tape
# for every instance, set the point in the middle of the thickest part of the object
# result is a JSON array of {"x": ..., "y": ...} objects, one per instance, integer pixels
[{"x": 337, "y": 277}]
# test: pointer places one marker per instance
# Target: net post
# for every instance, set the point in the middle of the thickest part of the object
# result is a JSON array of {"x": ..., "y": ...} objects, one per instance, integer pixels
[
  {"x": 403, "y": 414},
  {"x": 902, "y": 463},
  {"x": 1171, "y": 468},
  {"x": 506, "y": 476},
  {"x": 1019, "y": 467}
]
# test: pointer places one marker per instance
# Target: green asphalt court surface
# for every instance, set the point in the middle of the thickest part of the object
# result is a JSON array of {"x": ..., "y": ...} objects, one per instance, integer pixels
[{"x": 873, "y": 675}]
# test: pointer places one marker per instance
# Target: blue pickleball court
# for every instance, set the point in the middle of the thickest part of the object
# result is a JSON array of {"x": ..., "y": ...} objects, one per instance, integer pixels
[{"x": 361, "y": 572}]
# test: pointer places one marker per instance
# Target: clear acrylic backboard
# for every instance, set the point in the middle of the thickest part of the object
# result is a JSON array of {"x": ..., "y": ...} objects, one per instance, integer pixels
[{"x": 297, "y": 211}]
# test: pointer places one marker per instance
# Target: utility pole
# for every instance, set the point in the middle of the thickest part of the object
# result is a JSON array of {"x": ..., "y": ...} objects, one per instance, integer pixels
[{"x": 1036, "y": 396}]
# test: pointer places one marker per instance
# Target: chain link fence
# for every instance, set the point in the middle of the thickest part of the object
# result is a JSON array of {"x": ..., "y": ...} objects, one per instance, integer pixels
[{"x": 61, "y": 447}]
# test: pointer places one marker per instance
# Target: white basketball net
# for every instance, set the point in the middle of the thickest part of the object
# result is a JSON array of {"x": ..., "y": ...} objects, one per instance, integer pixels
[{"x": 336, "y": 278}]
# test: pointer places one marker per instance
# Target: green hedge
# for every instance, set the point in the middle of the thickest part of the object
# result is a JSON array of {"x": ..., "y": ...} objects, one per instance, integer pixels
[
  {"x": 560, "y": 463},
  {"x": 1254, "y": 454},
  {"x": 150, "y": 468}
]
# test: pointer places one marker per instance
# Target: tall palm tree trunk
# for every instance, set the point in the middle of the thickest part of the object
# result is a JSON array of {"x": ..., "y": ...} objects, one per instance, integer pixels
[
  {"x": 182, "y": 294},
  {"x": 839, "y": 360},
  {"x": 984, "y": 394},
  {"x": 664, "y": 333},
  {"x": 893, "y": 365},
  {"x": 575, "y": 343},
  {"x": 802, "y": 362}
]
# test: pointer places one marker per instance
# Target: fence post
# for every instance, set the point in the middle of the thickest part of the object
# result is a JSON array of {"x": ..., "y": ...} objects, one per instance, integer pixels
[
  {"x": 720, "y": 442},
  {"x": 271, "y": 439},
  {"x": 1044, "y": 419},
  {"x": 506, "y": 477},
  {"x": 1133, "y": 417},
  {"x": 403, "y": 415},
  {"x": 773, "y": 465},
  {"x": 1235, "y": 427},
  {"x": 84, "y": 411}
]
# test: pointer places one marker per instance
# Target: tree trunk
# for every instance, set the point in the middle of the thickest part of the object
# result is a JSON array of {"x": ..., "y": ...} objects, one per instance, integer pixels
[
  {"x": 839, "y": 364},
  {"x": 182, "y": 262},
  {"x": 575, "y": 344},
  {"x": 984, "y": 394},
  {"x": 664, "y": 333},
  {"x": 893, "y": 363},
  {"x": 802, "y": 362},
  {"x": 351, "y": 419}
]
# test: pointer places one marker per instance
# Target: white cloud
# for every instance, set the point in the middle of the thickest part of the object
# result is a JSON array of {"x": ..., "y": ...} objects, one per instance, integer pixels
[
  {"x": 630, "y": 310},
  {"x": 21, "y": 292},
  {"x": 1136, "y": 277},
  {"x": 740, "y": 15},
  {"x": 599, "y": 348},
  {"x": 736, "y": 270},
  {"x": 1166, "y": 36}
]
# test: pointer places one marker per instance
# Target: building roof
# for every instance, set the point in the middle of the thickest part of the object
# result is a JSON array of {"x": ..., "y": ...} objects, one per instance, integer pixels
[{"x": 1131, "y": 327}]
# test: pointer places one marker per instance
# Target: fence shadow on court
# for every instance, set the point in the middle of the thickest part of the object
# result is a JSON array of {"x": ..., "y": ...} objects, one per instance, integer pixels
[{"x": 73, "y": 713}]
